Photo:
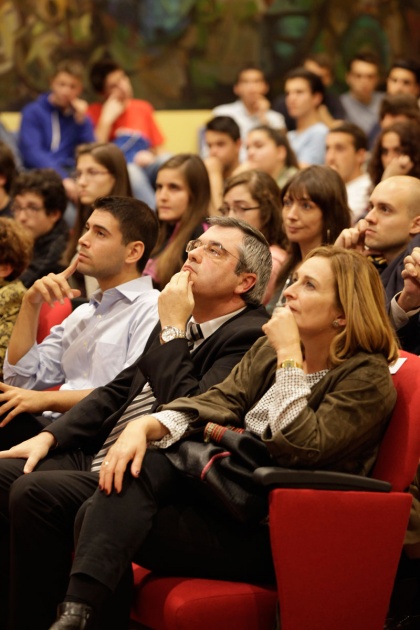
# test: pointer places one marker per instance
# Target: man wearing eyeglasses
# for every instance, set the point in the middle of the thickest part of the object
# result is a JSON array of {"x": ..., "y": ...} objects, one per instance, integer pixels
[
  {"x": 218, "y": 292},
  {"x": 39, "y": 202}
]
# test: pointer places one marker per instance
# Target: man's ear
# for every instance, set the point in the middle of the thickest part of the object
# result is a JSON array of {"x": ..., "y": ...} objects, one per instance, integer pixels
[
  {"x": 415, "y": 225},
  {"x": 5, "y": 270},
  {"x": 135, "y": 251},
  {"x": 246, "y": 282},
  {"x": 56, "y": 215}
]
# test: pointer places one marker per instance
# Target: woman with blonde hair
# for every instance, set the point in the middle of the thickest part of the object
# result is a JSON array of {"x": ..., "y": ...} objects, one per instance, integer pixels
[{"x": 315, "y": 393}]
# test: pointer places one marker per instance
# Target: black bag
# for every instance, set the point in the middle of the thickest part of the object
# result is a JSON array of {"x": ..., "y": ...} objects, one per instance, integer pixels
[{"x": 224, "y": 463}]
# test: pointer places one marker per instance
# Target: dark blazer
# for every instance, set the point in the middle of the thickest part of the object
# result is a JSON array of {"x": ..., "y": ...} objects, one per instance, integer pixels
[
  {"x": 408, "y": 335},
  {"x": 171, "y": 370}
]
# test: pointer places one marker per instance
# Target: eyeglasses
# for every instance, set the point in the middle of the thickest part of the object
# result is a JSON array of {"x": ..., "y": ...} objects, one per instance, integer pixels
[
  {"x": 31, "y": 208},
  {"x": 212, "y": 249},
  {"x": 89, "y": 174},
  {"x": 237, "y": 208}
]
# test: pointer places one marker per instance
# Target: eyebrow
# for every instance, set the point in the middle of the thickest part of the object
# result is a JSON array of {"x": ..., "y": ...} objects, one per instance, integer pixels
[{"x": 97, "y": 226}]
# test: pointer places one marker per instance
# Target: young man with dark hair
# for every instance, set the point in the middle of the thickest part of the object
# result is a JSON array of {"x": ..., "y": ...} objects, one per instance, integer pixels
[
  {"x": 39, "y": 202},
  {"x": 361, "y": 103},
  {"x": 53, "y": 125},
  {"x": 252, "y": 108},
  {"x": 130, "y": 123},
  {"x": 99, "y": 338},
  {"x": 304, "y": 92},
  {"x": 346, "y": 150},
  {"x": 223, "y": 139},
  {"x": 404, "y": 78},
  {"x": 218, "y": 293}
]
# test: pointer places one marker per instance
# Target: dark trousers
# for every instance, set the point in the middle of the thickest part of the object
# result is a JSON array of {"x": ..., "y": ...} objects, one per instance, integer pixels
[
  {"x": 37, "y": 513},
  {"x": 163, "y": 523},
  {"x": 21, "y": 428}
]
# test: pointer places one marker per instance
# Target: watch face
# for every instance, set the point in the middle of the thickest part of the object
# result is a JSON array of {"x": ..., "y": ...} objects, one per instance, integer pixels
[{"x": 170, "y": 332}]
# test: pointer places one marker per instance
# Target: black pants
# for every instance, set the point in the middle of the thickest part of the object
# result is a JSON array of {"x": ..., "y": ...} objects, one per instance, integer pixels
[
  {"x": 37, "y": 513},
  {"x": 21, "y": 428},
  {"x": 163, "y": 523},
  {"x": 158, "y": 521}
]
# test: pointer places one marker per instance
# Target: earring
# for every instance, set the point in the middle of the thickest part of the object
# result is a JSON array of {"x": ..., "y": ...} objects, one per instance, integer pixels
[{"x": 336, "y": 323}]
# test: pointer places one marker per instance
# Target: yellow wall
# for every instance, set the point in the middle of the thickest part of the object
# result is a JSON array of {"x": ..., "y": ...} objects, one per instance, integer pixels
[{"x": 179, "y": 127}]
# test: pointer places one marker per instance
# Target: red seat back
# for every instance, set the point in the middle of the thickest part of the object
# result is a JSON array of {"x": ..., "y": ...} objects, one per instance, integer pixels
[
  {"x": 399, "y": 453},
  {"x": 51, "y": 316}
]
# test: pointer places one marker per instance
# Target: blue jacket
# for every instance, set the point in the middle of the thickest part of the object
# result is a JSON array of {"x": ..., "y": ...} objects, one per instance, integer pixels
[{"x": 48, "y": 137}]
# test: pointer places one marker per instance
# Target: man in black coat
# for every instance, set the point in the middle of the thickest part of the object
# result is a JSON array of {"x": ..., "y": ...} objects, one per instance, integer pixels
[
  {"x": 392, "y": 229},
  {"x": 221, "y": 285}
]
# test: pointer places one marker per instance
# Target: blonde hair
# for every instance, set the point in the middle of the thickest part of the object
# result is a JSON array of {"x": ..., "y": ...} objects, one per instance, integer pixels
[{"x": 361, "y": 296}]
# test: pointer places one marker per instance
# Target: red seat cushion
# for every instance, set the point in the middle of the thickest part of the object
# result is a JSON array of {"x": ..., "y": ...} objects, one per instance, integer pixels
[{"x": 172, "y": 603}]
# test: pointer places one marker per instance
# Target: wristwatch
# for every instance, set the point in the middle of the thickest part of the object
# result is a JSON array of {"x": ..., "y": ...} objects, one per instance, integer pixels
[
  {"x": 291, "y": 363},
  {"x": 170, "y": 332}
]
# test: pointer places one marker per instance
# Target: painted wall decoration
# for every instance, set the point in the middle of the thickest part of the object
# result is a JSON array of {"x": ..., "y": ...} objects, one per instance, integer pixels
[{"x": 186, "y": 53}]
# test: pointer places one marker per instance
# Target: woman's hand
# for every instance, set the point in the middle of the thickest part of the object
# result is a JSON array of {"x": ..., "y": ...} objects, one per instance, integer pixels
[{"x": 283, "y": 334}]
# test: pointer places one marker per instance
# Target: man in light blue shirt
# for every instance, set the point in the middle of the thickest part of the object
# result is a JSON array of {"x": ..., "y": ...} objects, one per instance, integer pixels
[{"x": 100, "y": 338}]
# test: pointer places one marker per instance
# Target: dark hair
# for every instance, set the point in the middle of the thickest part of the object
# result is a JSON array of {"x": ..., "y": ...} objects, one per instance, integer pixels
[
  {"x": 280, "y": 139},
  {"x": 224, "y": 124},
  {"x": 324, "y": 187},
  {"x": 169, "y": 255},
  {"x": 136, "y": 220},
  {"x": 324, "y": 60},
  {"x": 315, "y": 82},
  {"x": 254, "y": 256},
  {"x": 108, "y": 155},
  {"x": 367, "y": 57},
  {"x": 357, "y": 134},
  {"x": 409, "y": 135},
  {"x": 407, "y": 64},
  {"x": 99, "y": 72},
  {"x": 399, "y": 105},
  {"x": 249, "y": 66},
  {"x": 263, "y": 188},
  {"x": 46, "y": 183},
  {"x": 7, "y": 165},
  {"x": 16, "y": 244}
]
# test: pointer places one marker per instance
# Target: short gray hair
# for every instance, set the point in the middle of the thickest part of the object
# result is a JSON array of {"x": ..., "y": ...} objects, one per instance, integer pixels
[{"x": 254, "y": 256}]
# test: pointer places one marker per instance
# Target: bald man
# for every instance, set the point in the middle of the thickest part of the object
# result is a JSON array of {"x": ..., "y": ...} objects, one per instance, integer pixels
[{"x": 392, "y": 229}]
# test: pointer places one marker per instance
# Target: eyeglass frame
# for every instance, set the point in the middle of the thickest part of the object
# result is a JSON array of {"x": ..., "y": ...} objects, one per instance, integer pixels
[
  {"x": 89, "y": 174},
  {"x": 222, "y": 251},
  {"x": 31, "y": 209}
]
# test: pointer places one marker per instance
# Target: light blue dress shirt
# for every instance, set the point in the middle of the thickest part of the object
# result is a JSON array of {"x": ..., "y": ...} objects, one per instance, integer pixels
[{"x": 91, "y": 346}]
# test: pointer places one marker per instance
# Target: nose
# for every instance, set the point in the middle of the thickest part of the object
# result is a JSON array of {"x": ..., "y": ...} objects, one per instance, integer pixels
[
  {"x": 291, "y": 211},
  {"x": 196, "y": 254},
  {"x": 84, "y": 239},
  {"x": 371, "y": 216}
]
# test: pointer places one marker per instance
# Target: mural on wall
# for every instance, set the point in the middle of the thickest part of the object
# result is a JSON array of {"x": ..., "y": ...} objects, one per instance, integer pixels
[{"x": 186, "y": 53}]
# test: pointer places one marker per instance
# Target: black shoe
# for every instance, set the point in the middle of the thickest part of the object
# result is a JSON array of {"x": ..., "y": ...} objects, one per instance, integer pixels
[
  {"x": 73, "y": 616},
  {"x": 411, "y": 622}
]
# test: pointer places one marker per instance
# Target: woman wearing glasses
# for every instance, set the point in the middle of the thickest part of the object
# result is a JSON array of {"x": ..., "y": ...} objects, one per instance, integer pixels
[
  {"x": 254, "y": 197},
  {"x": 182, "y": 203}
]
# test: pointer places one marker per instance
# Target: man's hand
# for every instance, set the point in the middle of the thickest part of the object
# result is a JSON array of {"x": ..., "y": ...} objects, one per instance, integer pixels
[
  {"x": 409, "y": 298},
  {"x": 176, "y": 301},
  {"x": 144, "y": 158},
  {"x": 15, "y": 400},
  {"x": 130, "y": 446},
  {"x": 213, "y": 165},
  {"x": 53, "y": 288},
  {"x": 32, "y": 450},
  {"x": 80, "y": 107},
  {"x": 71, "y": 189},
  {"x": 112, "y": 109},
  {"x": 354, "y": 237}
]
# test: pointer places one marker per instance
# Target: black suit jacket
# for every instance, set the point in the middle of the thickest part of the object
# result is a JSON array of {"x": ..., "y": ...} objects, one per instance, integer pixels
[{"x": 172, "y": 372}]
